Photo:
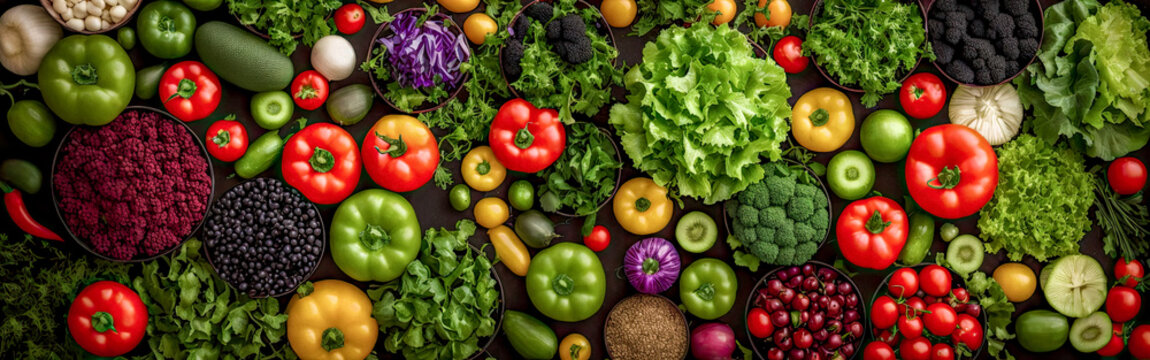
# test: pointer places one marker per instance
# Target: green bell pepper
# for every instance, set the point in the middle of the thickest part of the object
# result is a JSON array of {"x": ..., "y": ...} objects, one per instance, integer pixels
[
  {"x": 374, "y": 235},
  {"x": 87, "y": 79},
  {"x": 203, "y": 5},
  {"x": 566, "y": 282},
  {"x": 166, "y": 28},
  {"x": 708, "y": 287}
]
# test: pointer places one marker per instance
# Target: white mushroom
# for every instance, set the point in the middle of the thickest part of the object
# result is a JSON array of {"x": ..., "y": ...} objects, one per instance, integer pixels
[
  {"x": 76, "y": 24},
  {"x": 117, "y": 13},
  {"x": 92, "y": 23}
]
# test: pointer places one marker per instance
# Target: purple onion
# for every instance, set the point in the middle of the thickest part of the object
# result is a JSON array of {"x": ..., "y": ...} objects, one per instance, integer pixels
[
  {"x": 652, "y": 265},
  {"x": 422, "y": 54}
]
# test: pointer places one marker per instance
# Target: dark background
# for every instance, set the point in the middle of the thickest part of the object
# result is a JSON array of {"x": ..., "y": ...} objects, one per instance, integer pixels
[{"x": 434, "y": 211}]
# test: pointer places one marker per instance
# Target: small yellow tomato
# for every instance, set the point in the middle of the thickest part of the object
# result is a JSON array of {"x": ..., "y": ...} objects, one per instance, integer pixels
[
  {"x": 778, "y": 10},
  {"x": 574, "y": 347},
  {"x": 726, "y": 10},
  {"x": 1017, "y": 281},
  {"x": 491, "y": 212},
  {"x": 459, "y": 6},
  {"x": 477, "y": 26},
  {"x": 619, "y": 13}
]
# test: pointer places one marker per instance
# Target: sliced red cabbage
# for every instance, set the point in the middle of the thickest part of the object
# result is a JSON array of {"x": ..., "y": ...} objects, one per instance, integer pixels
[{"x": 424, "y": 55}]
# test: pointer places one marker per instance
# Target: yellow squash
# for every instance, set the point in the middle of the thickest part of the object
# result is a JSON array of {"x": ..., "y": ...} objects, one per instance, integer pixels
[
  {"x": 481, "y": 171},
  {"x": 642, "y": 206},
  {"x": 823, "y": 120},
  {"x": 510, "y": 250},
  {"x": 333, "y": 321}
]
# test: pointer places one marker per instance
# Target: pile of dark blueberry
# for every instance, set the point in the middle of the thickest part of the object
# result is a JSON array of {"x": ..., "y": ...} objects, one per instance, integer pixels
[{"x": 264, "y": 238}]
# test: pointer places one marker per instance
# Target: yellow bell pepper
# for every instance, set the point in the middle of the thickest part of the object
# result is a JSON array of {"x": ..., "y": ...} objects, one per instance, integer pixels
[
  {"x": 481, "y": 170},
  {"x": 642, "y": 206},
  {"x": 575, "y": 347},
  {"x": 332, "y": 321},
  {"x": 823, "y": 120},
  {"x": 510, "y": 250}
]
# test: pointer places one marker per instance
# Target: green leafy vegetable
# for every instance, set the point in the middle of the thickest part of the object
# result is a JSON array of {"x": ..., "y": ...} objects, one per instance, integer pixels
[
  {"x": 658, "y": 13},
  {"x": 868, "y": 44},
  {"x": 585, "y": 174},
  {"x": 702, "y": 111},
  {"x": 1124, "y": 220},
  {"x": 283, "y": 19},
  {"x": 1042, "y": 201},
  {"x": 767, "y": 34}
]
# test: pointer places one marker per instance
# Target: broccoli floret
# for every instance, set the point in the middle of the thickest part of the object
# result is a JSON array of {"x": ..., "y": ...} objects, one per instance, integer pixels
[
  {"x": 805, "y": 251},
  {"x": 1003, "y": 26},
  {"x": 755, "y": 195},
  {"x": 575, "y": 52},
  {"x": 960, "y": 71},
  {"x": 954, "y": 36},
  {"x": 979, "y": 65},
  {"x": 1012, "y": 67},
  {"x": 786, "y": 256},
  {"x": 541, "y": 11},
  {"x": 511, "y": 55},
  {"x": 804, "y": 232},
  {"x": 977, "y": 28},
  {"x": 947, "y": 5},
  {"x": 943, "y": 53},
  {"x": 955, "y": 20},
  {"x": 936, "y": 28},
  {"x": 983, "y": 76},
  {"x": 820, "y": 220},
  {"x": 519, "y": 29},
  {"x": 1016, "y": 7},
  {"x": 996, "y": 62},
  {"x": 747, "y": 215},
  {"x": 746, "y": 234},
  {"x": 1025, "y": 27},
  {"x": 997, "y": 75},
  {"x": 977, "y": 49},
  {"x": 967, "y": 12},
  {"x": 1008, "y": 48},
  {"x": 765, "y": 251},
  {"x": 568, "y": 35},
  {"x": 820, "y": 199},
  {"x": 765, "y": 233},
  {"x": 780, "y": 189},
  {"x": 805, "y": 191},
  {"x": 1027, "y": 47},
  {"x": 800, "y": 208},
  {"x": 988, "y": 9},
  {"x": 785, "y": 235},
  {"x": 773, "y": 217}
]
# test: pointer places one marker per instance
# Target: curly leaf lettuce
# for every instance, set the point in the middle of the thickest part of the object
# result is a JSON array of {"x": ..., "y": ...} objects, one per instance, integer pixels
[{"x": 701, "y": 112}]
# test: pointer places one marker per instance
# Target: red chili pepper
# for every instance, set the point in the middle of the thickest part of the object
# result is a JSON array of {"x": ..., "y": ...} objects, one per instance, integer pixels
[
  {"x": 107, "y": 319},
  {"x": 14, "y": 201},
  {"x": 527, "y": 139},
  {"x": 190, "y": 90}
]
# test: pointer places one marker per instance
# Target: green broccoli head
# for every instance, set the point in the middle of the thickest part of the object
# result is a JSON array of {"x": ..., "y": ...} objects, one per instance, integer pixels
[
  {"x": 820, "y": 220},
  {"x": 786, "y": 257},
  {"x": 805, "y": 233},
  {"x": 820, "y": 199},
  {"x": 800, "y": 208},
  {"x": 745, "y": 234},
  {"x": 805, "y": 191},
  {"x": 780, "y": 189},
  {"x": 765, "y": 233},
  {"x": 765, "y": 251},
  {"x": 785, "y": 234},
  {"x": 747, "y": 215},
  {"x": 755, "y": 195},
  {"x": 773, "y": 217},
  {"x": 805, "y": 251}
]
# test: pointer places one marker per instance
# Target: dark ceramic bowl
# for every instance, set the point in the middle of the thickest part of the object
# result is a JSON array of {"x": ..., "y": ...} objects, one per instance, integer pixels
[
  {"x": 666, "y": 300},
  {"x": 84, "y": 242},
  {"x": 956, "y": 281},
  {"x": 926, "y": 36},
  {"x": 380, "y": 86},
  {"x": 728, "y": 206},
  {"x": 618, "y": 179},
  {"x": 263, "y": 34},
  {"x": 757, "y": 343},
  {"x": 602, "y": 26},
  {"x": 1040, "y": 21}
]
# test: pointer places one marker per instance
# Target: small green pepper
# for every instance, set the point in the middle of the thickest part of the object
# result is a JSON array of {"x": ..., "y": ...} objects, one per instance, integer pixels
[
  {"x": 708, "y": 288},
  {"x": 566, "y": 282},
  {"x": 374, "y": 235},
  {"x": 166, "y": 29}
]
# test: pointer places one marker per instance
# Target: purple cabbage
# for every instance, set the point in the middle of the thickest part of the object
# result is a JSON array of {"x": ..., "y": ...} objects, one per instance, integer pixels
[
  {"x": 652, "y": 265},
  {"x": 420, "y": 54}
]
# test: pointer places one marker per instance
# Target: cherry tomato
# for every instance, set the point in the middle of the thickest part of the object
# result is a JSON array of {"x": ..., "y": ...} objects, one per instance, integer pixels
[
  {"x": 903, "y": 283},
  {"x": 726, "y": 10},
  {"x": 759, "y": 322},
  {"x": 779, "y": 12},
  {"x": 922, "y": 95},
  {"x": 888, "y": 337},
  {"x": 1123, "y": 303},
  {"x": 969, "y": 332},
  {"x": 960, "y": 294},
  {"x": 878, "y": 351},
  {"x": 598, "y": 239},
  {"x": 1139, "y": 342},
  {"x": 910, "y": 327},
  {"x": 1115, "y": 346},
  {"x": 934, "y": 280},
  {"x": 915, "y": 303},
  {"x": 477, "y": 26},
  {"x": 940, "y": 319},
  {"x": 309, "y": 90},
  {"x": 227, "y": 139},
  {"x": 459, "y": 6},
  {"x": 884, "y": 312},
  {"x": 941, "y": 351},
  {"x": 619, "y": 13},
  {"x": 1127, "y": 175},
  {"x": 915, "y": 349},
  {"x": 1132, "y": 268},
  {"x": 349, "y": 18},
  {"x": 788, "y": 53}
]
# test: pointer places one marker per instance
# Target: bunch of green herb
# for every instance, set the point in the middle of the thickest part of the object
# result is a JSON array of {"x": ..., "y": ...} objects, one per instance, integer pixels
[
  {"x": 548, "y": 81},
  {"x": 193, "y": 314},
  {"x": 1042, "y": 201},
  {"x": 868, "y": 44},
  {"x": 702, "y": 111},
  {"x": 1124, "y": 220},
  {"x": 283, "y": 19},
  {"x": 1091, "y": 83},
  {"x": 443, "y": 304},
  {"x": 995, "y": 305},
  {"x": 585, "y": 174},
  {"x": 40, "y": 281},
  {"x": 659, "y": 13}
]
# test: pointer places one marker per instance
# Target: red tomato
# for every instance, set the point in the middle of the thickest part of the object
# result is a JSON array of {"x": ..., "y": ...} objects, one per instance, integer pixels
[
  {"x": 400, "y": 153},
  {"x": 969, "y": 332},
  {"x": 910, "y": 327},
  {"x": 884, "y": 312},
  {"x": 878, "y": 351},
  {"x": 922, "y": 95},
  {"x": 1115, "y": 346},
  {"x": 888, "y": 337},
  {"x": 349, "y": 18},
  {"x": 941, "y": 352},
  {"x": 1132, "y": 268},
  {"x": 915, "y": 349},
  {"x": 525, "y": 138},
  {"x": 598, "y": 239},
  {"x": 1127, "y": 175},
  {"x": 915, "y": 303},
  {"x": 190, "y": 91},
  {"x": 759, "y": 323},
  {"x": 871, "y": 232},
  {"x": 960, "y": 294},
  {"x": 309, "y": 90},
  {"x": 951, "y": 171},
  {"x": 940, "y": 319},
  {"x": 227, "y": 139},
  {"x": 935, "y": 280},
  {"x": 903, "y": 283},
  {"x": 322, "y": 162},
  {"x": 1139, "y": 342},
  {"x": 107, "y": 319},
  {"x": 788, "y": 53},
  {"x": 1123, "y": 303}
]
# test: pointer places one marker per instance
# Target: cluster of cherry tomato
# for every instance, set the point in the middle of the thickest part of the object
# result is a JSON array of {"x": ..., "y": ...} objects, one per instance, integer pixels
[{"x": 920, "y": 307}]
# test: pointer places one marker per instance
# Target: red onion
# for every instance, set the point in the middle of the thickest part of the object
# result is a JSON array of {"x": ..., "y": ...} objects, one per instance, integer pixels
[
  {"x": 713, "y": 341},
  {"x": 652, "y": 265}
]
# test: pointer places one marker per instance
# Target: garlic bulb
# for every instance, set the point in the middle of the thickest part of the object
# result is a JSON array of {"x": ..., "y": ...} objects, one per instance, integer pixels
[
  {"x": 994, "y": 111},
  {"x": 333, "y": 57},
  {"x": 27, "y": 32}
]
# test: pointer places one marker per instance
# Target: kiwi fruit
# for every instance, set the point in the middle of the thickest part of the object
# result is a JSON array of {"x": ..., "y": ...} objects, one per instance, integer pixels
[
  {"x": 696, "y": 232},
  {"x": 965, "y": 253},
  {"x": 1091, "y": 333}
]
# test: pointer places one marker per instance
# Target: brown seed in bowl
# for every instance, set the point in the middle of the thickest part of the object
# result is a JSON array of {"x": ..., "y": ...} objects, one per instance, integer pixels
[{"x": 646, "y": 327}]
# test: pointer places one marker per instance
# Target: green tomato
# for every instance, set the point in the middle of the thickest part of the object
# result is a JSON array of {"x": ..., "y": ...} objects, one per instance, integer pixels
[
  {"x": 374, "y": 235},
  {"x": 566, "y": 282},
  {"x": 126, "y": 37},
  {"x": 850, "y": 175},
  {"x": 21, "y": 174},
  {"x": 521, "y": 195},
  {"x": 87, "y": 79},
  {"x": 148, "y": 81},
  {"x": 1042, "y": 330},
  {"x": 166, "y": 28},
  {"x": 32, "y": 122},
  {"x": 886, "y": 136},
  {"x": 708, "y": 288},
  {"x": 272, "y": 110},
  {"x": 203, "y": 5},
  {"x": 460, "y": 197}
]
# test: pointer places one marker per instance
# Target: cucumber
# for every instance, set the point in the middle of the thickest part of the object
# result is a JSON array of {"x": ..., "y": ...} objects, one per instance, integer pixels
[
  {"x": 241, "y": 58},
  {"x": 530, "y": 337},
  {"x": 919, "y": 241}
]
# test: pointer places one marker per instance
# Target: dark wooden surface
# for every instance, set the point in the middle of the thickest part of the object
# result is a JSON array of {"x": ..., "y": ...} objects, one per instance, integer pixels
[{"x": 434, "y": 211}]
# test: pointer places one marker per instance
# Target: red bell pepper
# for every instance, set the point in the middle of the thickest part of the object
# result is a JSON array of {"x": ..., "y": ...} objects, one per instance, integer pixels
[
  {"x": 227, "y": 139},
  {"x": 527, "y": 139},
  {"x": 951, "y": 171},
  {"x": 14, "y": 202},
  {"x": 190, "y": 90},
  {"x": 309, "y": 90},
  {"x": 107, "y": 319},
  {"x": 322, "y": 162},
  {"x": 871, "y": 232},
  {"x": 400, "y": 153}
]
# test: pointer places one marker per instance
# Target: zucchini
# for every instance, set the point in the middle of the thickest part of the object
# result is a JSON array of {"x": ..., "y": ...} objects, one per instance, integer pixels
[
  {"x": 919, "y": 240},
  {"x": 530, "y": 337},
  {"x": 241, "y": 58}
]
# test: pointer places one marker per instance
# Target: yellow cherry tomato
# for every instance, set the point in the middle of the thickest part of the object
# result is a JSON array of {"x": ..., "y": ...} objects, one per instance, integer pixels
[
  {"x": 778, "y": 10},
  {"x": 726, "y": 10},
  {"x": 642, "y": 206},
  {"x": 823, "y": 120},
  {"x": 477, "y": 26},
  {"x": 1017, "y": 281},
  {"x": 481, "y": 170},
  {"x": 332, "y": 321},
  {"x": 574, "y": 347},
  {"x": 619, "y": 13},
  {"x": 459, "y": 6},
  {"x": 510, "y": 250},
  {"x": 491, "y": 212}
]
